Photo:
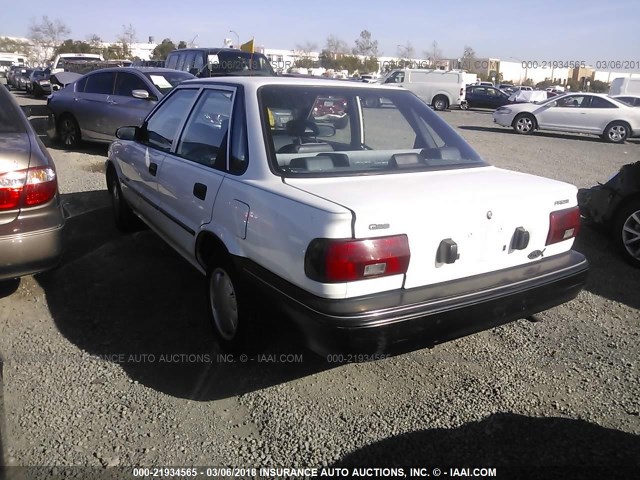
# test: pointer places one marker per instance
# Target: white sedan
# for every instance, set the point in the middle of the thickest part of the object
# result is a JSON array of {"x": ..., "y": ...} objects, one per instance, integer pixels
[
  {"x": 389, "y": 232},
  {"x": 593, "y": 113}
]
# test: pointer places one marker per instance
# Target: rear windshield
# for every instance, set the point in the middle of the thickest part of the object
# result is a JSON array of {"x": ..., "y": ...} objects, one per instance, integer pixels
[
  {"x": 239, "y": 63},
  {"x": 62, "y": 61},
  {"x": 10, "y": 120},
  {"x": 343, "y": 131},
  {"x": 165, "y": 81}
]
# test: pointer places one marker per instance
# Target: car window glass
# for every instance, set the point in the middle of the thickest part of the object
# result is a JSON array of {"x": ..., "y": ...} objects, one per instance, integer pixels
[
  {"x": 101, "y": 83},
  {"x": 10, "y": 121},
  {"x": 80, "y": 84},
  {"x": 181, "y": 58},
  {"x": 162, "y": 127},
  {"x": 378, "y": 135},
  {"x": 188, "y": 61},
  {"x": 573, "y": 101},
  {"x": 127, "y": 82},
  {"x": 198, "y": 61},
  {"x": 172, "y": 61},
  {"x": 599, "y": 102},
  {"x": 204, "y": 138}
]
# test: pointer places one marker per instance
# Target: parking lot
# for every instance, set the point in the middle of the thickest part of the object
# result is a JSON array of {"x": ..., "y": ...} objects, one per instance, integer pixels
[{"x": 109, "y": 359}]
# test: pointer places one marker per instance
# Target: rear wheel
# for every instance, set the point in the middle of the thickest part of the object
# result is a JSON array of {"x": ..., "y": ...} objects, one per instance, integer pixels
[
  {"x": 626, "y": 231},
  {"x": 524, "y": 123},
  {"x": 440, "y": 102},
  {"x": 69, "y": 131},
  {"x": 229, "y": 310},
  {"x": 616, "y": 132}
]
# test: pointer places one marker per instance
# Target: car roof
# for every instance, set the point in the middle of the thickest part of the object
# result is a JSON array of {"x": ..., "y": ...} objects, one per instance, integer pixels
[
  {"x": 259, "y": 81},
  {"x": 136, "y": 69},
  {"x": 212, "y": 51}
]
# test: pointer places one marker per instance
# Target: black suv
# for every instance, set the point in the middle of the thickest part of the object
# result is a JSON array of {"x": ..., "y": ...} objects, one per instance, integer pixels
[{"x": 214, "y": 62}]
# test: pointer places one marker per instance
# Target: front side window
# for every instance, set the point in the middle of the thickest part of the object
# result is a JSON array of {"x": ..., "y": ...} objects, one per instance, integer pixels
[
  {"x": 101, "y": 83},
  {"x": 205, "y": 135},
  {"x": 127, "y": 83},
  {"x": 380, "y": 132},
  {"x": 162, "y": 127}
]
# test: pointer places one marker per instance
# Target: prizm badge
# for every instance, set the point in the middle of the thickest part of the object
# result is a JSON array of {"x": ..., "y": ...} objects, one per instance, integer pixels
[
  {"x": 561, "y": 202},
  {"x": 378, "y": 226}
]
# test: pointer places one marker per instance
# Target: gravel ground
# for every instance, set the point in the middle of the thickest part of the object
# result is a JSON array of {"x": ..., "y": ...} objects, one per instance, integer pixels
[{"x": 110, "y": 362}]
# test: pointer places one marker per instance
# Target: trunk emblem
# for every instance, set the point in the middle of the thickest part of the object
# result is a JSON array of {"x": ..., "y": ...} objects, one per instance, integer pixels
[
  {"x": 379, "y": 226},
  {"x": 489, "y": 214}
]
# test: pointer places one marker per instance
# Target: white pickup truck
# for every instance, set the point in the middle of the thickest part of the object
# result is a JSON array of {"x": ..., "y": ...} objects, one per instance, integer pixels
[{"x": 387, "y": 234}]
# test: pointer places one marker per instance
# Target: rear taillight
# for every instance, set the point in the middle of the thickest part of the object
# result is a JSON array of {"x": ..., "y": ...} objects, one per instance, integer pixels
[
  {"x": 346, "y": 260},
  {"x": 27, "y": 188},
  {"x": 563, "y": 225}
]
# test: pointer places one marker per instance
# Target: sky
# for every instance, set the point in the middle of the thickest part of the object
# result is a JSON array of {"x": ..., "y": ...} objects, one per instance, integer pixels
[{"x": 561, "y": 30}]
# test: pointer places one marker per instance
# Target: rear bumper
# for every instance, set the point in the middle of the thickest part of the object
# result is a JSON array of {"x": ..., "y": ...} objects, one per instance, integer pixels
[
  {"x": 401, "y": 320},
  {"x": 30, "y": 253}
]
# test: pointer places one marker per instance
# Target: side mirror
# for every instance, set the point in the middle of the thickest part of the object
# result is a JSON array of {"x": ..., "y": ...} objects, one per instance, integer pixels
[
  {"x": 128, "y": 133},
  {"x": 141, "y": 94}
]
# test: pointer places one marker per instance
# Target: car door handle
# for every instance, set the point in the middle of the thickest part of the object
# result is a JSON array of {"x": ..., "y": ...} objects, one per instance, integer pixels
[
  {"x": 153, "y": 169},
  {"x": 200, "y": 191}
]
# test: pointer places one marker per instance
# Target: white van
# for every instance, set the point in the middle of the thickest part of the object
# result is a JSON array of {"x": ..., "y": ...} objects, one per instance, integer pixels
[
  {"x": 625, "y": 86},
  {"x": 58, "y": 63},
  {"x": 440, "y": 88}
]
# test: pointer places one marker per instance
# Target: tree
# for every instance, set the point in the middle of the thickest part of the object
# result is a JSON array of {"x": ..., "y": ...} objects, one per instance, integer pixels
[
  {"x": 182, "y": 44},
  {"x": 10, "y": 45},
  {"x": 163, "y": 49},
  {"x": 468, "y": 57},
  {"x": 599, "y": 86},
  {"x": 304, "y": 50},
  {"x": 73, "y": 46},
  {"x": 127, "y": 38},
  {"x": 96, "y": 43},
  {"x": 47, "y": 35},
  {"x": 435, "y": 54},
  {"x": 335, "y": 46},
  {"x": 365, "y": 45},
  {"x": 406, "y": 51}
]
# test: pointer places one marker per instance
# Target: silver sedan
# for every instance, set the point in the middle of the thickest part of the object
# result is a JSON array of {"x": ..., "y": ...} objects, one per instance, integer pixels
[
  {"x": 593, "y": 113},
  {"x": 97, "y": 104}
]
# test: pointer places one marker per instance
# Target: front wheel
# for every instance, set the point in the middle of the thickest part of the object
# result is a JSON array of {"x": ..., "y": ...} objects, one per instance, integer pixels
[
  {"x": 124, "y": 218},
  {"x": 525, "y": 123},
  {"x": 229, "y": 311},
  {"x": 626, "y": 231},
  {"x": 616, "y": 132}
]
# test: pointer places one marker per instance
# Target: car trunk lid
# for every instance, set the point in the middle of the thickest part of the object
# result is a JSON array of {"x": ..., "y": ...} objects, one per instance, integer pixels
[
  {"x": 15, "y": 154},
  {"x": 480, "y": 217}
]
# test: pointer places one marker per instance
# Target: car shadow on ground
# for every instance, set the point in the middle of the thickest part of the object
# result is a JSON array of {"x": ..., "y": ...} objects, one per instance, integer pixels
[
  {"x": 8, "y": 287},
  {"x": 566, "y": 136},
  {"x": 518, "y": 446},
  {"x": 132, "y": 300},
  {"x": 609, "y": 275}
]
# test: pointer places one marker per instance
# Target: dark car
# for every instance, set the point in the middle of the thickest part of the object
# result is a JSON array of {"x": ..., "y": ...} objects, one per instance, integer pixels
[
  {"x": 616, "y": 206},
  {"x": 22, "y": 78},
  {"x": 483, "y": 96},
  {"x": 31, "y": 218},
  {"x": 215, "y": 62},
  {"x": 39, "y": 83},
  {"x": 97, "y": 104}
]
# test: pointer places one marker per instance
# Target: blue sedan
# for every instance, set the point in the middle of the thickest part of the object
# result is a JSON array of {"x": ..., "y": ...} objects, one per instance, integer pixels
[{"x": 481, "y": 96}]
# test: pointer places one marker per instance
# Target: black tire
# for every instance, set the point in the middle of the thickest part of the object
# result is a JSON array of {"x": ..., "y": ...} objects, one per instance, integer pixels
[
  {"x": 123, "y": 216},
  {"x": 230, "y": 312},
  {"x": 616, "y": 132},
  {"x": 626, "y": 232},
  {"x": 68, "y": 131},
  {"x": 440, "y": 103},
  {"x": 464, "y": 106},
  {"x": 524, "y": 123}
]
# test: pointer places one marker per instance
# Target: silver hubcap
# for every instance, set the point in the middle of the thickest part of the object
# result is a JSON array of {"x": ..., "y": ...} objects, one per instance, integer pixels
[
  {"x": 524, "y": 124},
  {"x": 224, "y": 306},
  {"x": 617, "y": 133},
  {"x": 631, "y": 235},
  {"x": 440, "y": 104}
]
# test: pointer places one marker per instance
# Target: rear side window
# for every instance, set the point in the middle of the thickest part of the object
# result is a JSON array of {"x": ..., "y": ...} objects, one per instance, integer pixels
[
  {"x": 162, "y": 127},
  {"x": 101, "y": 83},
  {"x": 597, "y": 102},
  {"x": 127, "y": 82}
]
